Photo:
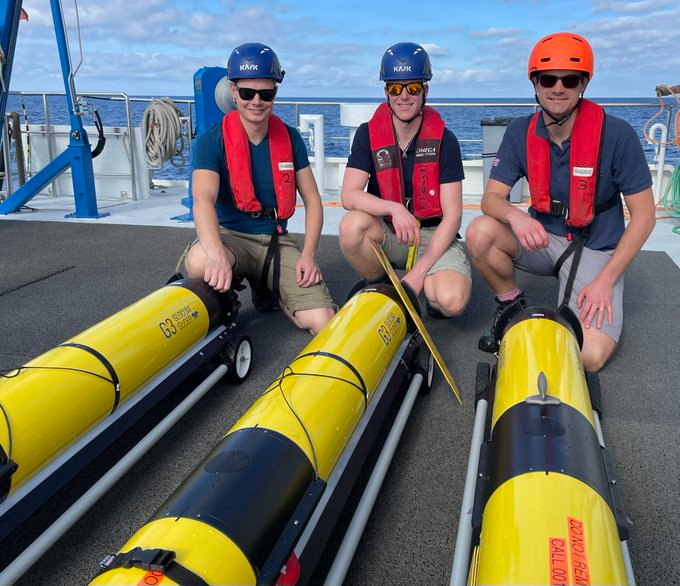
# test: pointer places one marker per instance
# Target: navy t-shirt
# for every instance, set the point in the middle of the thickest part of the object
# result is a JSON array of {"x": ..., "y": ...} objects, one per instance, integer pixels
[
  {"x": 623, "y": 169},
  {"x": 209, "y": 153},
  {"x": 450, "y": 162}
]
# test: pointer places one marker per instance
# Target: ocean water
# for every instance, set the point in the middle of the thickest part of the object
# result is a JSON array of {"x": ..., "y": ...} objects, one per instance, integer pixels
[{"x": 463, "y": 118}]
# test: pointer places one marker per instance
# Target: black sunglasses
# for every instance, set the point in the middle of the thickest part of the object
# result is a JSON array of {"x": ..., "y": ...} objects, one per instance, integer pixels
[
  {"x": 413, "y": 88},
  {"x": 570, "y": 81},
  {"x": 247, "y": 93}
]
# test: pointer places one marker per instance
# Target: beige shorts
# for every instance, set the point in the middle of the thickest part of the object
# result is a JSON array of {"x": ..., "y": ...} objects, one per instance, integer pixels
[
  {"x": 454, "y": 259},
  {"x": 250, "y": 251}
]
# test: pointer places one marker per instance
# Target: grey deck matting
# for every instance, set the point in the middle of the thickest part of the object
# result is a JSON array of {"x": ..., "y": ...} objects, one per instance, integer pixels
[{"x": 57, "y": 279}]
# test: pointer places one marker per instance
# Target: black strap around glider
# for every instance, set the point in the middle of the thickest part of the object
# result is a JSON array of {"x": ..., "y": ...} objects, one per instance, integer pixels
[
  {"x": 7, "y": 468},
  {"x": 152, "y": 560},
  {"x": 107, "y": 365},
  {"x": 263, "y": 299}
]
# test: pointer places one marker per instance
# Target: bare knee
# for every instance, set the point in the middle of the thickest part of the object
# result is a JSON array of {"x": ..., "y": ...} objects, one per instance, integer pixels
[
  {"x": 354, "y": 227},
  {"x": 194, "y": 262},
  {"x": 594, "y": 356},
  {"x": 448, "y": 291},
  {"x": 452, "y": 302},
  {"x": 314, "y": 320},
  {"x": 480, "y": 235}
]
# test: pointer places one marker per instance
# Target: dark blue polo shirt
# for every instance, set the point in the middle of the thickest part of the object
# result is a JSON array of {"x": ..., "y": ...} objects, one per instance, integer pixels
[
  {"x": 450, "y": 163},
  {"x": 209, "y": 153},
  {"x": 623, "y": 170}
]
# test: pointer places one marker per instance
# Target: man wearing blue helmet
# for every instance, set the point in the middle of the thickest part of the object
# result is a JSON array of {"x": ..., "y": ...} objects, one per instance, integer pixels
[
  {"x": 403, "y": 188},
  {"x": 246, "y": 172}
]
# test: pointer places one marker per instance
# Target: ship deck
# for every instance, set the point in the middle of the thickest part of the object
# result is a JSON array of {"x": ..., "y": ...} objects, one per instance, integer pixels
[{"x": 62, "y": 276}]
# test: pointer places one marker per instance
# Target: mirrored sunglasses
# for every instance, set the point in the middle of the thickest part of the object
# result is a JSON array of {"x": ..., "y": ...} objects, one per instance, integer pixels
[
  {"x": 570, "y": 81},
  {"x": 414, "y": 88},
  {"x": 247, "y": 94}
]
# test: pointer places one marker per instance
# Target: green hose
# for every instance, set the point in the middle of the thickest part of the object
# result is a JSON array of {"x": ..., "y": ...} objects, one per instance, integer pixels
[{"x": 671, "y": 197}]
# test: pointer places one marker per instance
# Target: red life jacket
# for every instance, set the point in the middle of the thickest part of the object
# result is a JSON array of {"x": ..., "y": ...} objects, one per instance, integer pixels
[
  {"x": 239, "y": 165},
  {"x": 387, "y": 161},
  {"x": 584, "y": 164}
]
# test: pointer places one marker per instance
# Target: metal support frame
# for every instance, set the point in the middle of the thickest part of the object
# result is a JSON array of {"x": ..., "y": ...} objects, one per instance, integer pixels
[
  {"x": 78, "y": 154},
  {"x": 10, "y": 13},
  {"x": 30, "y": 496},
  {"x": 54, "y": 532},
  {"x": 343, "y": 559},
  {"x": 322, "y": 523}
]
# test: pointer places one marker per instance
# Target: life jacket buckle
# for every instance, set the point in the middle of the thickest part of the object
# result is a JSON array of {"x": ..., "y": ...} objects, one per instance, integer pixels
[
  {"x": 557, "y": 208},
  {"x": 270, "y": 212}
]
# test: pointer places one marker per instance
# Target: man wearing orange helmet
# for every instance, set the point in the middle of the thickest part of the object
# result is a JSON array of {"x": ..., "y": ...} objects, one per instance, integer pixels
[{"x": 578, "y": 161}]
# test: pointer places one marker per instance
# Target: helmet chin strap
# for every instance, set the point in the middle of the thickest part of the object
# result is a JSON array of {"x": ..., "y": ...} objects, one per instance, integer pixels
[
  {"x": 563, "y": 119},
  {"x": 419, "y": 113}
]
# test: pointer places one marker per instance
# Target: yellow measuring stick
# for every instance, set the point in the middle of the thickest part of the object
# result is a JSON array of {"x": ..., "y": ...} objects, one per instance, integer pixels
[
  {"x": 415, "y": 317},
  {"x": 412, "y": 254}
]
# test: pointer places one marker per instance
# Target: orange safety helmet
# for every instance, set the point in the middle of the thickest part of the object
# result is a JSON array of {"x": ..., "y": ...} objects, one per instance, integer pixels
[{"x": 562, "y": 51}]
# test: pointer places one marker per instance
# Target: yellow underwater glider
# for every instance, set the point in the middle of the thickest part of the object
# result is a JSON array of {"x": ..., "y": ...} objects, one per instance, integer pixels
[
  {"x": 263, "y": 504},
  {"x": 59, "y": 411},
  {"x": 541, "y": 503}
]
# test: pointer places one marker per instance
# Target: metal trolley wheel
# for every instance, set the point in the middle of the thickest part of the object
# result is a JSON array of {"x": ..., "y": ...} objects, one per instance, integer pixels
[{"x": 239, "y": 359}]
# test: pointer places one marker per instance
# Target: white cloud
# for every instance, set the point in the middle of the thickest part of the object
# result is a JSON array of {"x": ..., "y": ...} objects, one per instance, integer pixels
[
  {"x": 141, "y": 45},
  {"x": 467, "y": 75},
  {"x": 644, "y": 6},
  {"x": 495, "y": 32},
  {"x": 512, "y": 41},
  {"x": 434, "y": 49}
]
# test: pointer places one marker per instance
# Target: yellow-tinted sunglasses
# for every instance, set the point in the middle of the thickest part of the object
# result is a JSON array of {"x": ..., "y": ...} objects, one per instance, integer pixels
[{"x": 414, "y": 88}]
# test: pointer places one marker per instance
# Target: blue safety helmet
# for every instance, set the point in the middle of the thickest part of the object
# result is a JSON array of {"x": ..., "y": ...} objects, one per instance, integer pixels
[
  {"x": 405, "y": 61},
  {"x": 254, "y": 60}
]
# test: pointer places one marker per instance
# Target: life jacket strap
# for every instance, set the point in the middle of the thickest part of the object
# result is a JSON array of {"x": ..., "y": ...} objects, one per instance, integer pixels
[
  {"x": 263, "y": 299},
  {"x": 578, "y": 240},
  {"x": 557, "y": 208},
  {"x": 575, "y": 247}
]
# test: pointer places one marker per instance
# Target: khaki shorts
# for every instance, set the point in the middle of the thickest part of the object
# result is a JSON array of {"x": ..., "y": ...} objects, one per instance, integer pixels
[
  {"x": 454, "y": 259},
  {"x": 250, "y": 250},
  {"x": 543, "y": 261}
]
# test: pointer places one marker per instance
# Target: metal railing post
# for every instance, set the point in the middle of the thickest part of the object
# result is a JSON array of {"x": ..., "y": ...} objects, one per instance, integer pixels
[
  {"x": 48, "y": 136},
  {"x": 7, "y": 158}
]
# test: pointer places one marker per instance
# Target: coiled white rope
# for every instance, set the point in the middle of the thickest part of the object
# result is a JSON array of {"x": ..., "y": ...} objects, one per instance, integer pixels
[{"x": 162, "y": 129}]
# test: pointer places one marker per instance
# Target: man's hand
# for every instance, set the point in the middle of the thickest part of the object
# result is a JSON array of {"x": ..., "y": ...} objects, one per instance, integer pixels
[
  {"x": 307, "y": 272},
  {"x": 530, "y": 232},
  {"x": 218, "y": 272},
  {"x": 405, "y": 225},
  {"x": 594, "y": 300},
  {"x": 416, "y": 279}
]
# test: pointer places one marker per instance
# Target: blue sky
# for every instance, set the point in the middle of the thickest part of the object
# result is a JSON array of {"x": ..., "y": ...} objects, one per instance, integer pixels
[{"x": 333, "y": 48}]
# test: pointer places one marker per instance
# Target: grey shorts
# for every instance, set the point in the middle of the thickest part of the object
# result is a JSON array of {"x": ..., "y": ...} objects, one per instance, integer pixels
[
  {"x": 454, "y": 259},
  {"x": 250, "y": 251},
  {"x": 541, "y": 262}
]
